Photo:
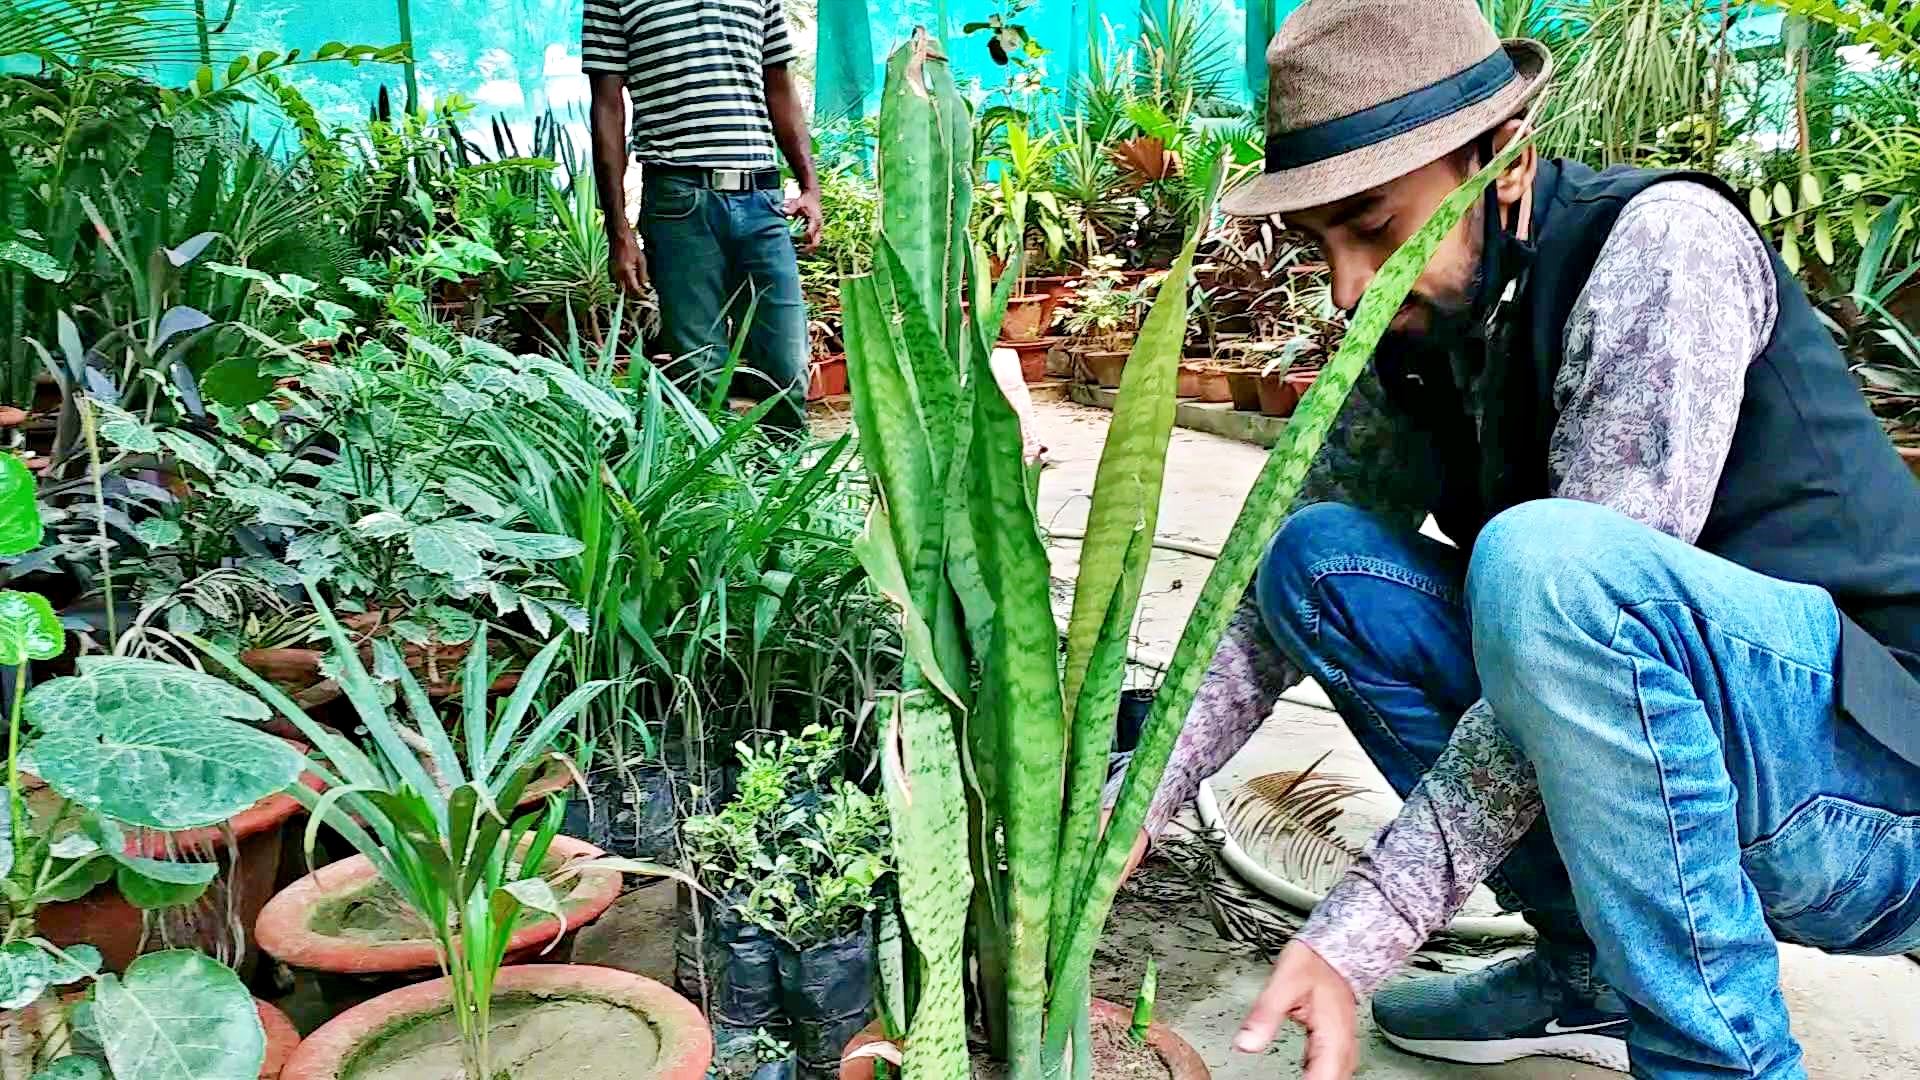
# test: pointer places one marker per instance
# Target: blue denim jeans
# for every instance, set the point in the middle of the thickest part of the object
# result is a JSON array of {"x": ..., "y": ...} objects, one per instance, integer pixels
[
  {"x": 1703, "y": 795},
  {"x": 712, "y": 255}
]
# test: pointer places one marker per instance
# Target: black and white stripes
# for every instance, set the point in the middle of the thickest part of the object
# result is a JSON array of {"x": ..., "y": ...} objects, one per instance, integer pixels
[{"x": 694, "y": 72}]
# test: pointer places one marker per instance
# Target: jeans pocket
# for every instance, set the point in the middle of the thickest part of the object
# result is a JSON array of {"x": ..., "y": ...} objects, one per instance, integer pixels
[
  {"x": 668, "y": 199},
  {"x": 1842, "y": 877}
]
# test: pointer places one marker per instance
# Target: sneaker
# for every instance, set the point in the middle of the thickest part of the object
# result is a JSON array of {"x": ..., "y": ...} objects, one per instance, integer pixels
[{"x": 1513, "y": 1009}]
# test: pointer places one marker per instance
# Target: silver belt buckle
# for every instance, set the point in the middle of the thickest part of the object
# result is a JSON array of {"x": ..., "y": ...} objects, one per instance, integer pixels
[{"x": 731, "y": 180}]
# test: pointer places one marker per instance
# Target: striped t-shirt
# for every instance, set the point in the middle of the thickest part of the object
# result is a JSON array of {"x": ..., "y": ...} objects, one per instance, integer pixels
[{"x": 694, "y": 72}]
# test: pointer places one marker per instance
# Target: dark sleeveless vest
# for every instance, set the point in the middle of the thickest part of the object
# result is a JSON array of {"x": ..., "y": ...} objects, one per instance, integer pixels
[{"x": 1812, "y": 491}]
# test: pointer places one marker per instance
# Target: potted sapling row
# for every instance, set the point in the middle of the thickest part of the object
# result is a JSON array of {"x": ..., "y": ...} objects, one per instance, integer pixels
[
  {"x": 121, "y": 746},
  {"x": 795, "y": 861}
]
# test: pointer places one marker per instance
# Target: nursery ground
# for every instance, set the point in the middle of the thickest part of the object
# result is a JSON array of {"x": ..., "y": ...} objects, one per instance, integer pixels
[{"x": 1854, "y": 1016}]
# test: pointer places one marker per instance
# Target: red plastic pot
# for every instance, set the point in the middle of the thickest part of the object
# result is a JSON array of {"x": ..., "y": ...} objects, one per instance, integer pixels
[
  {"x": 282, "y": 1037},
  {"x": 105, "y": 920},
  {"x": 685, "y": 1042},
  {"x": 1180, "y": 1058},
  {"x": 285, "y": 926}
]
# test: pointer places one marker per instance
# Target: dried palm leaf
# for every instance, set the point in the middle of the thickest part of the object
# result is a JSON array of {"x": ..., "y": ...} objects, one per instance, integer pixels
[
  {"x": 1285, "y": 821},
  {"x": 1145, "y": 158}
]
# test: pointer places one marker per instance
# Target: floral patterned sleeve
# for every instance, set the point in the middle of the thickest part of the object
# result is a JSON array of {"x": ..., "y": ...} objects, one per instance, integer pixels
[
  {"x": 1368, "y": 460},
  {"x": 1679, "y": 304}
]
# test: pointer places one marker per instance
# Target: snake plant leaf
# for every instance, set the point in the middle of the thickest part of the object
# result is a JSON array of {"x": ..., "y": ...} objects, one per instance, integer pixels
[
  {"x": 920, "y": 769},
  {"x": 29, "y": 630},
  {"x": 874, "y": 548},
  {"x": 179, "y": 1015},
  {"x": 1266, "y": 504},
  {"x": 25, "y": 973},
  {"x": 154, "y": 745},
  {"x": 20, "y": 528},
  {"x": 73, "y": 1067}
]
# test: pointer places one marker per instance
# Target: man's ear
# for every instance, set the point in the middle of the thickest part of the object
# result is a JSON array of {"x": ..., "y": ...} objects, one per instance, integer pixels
[{"x": 1516, "y": 182}]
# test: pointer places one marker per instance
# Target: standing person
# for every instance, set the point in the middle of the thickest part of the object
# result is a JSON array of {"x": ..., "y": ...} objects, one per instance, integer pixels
[
  {"x": 712, "y": 96},
  {"x": 1659, "y": 690}
]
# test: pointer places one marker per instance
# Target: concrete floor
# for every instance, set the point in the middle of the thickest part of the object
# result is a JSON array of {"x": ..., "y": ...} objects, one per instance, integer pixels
[{"x": 1854, "y": 1017}]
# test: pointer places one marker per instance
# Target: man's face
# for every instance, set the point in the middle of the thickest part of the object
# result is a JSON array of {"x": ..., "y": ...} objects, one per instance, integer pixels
[{"x": 1357, "y": 235}]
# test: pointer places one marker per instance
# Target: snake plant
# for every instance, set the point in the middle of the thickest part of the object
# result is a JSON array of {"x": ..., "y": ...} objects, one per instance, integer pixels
[{"x": 995, "y": 750}]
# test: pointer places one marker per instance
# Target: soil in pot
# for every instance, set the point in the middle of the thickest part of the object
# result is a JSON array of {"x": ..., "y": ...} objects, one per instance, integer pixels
[
  {"x": 347, "y": 932},
  {"x": 549, "y": 1021}
]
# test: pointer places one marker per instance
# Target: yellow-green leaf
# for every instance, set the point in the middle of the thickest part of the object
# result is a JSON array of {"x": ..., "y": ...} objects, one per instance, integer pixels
[
  {"x": 1862, "y": 216},
  {"x": 1823, "y": 239},
  {"x": 1757, "y": 202},
  {"x": 1782, "y": 199},
  {"x": 203, "y": 79},
  {"x": 1790, "y": 252},
  {"x": 1810, "y": 190}
]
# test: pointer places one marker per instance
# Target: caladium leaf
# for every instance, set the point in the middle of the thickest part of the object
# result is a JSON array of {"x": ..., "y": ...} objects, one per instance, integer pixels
[
  {"x": 153, "y": 894},
  {"x": 29, "y": 630},
  {"x": 442, "y": 548},
  {"x": 154, "y": 744},
  {"x": 73, "y": 1067},
  {"x": 20, "y": 529},
  {"x": 123, "y": 429},
  {"x": 463, "y": 490},
  {"x": 179, "y": 1016},
  {"x": 25, "y": 974},
  {"x": 519, "y": 545},
  {"x": 158, "y": 532},
  {"x": 71, "y": 964}
]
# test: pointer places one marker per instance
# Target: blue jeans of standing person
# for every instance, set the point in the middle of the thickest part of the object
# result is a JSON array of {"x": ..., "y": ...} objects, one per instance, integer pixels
[
  {"x": 713, "y": 257},
  {"x": 1703, "y": 795}
]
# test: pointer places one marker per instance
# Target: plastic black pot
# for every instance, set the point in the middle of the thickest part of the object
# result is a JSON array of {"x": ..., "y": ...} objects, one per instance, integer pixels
[
  {"x": 636, "y": 814},
  {"x": 827, "y": 992},
  {"x": 728, "y": 965},
  {"x": 1134, "y": 707}
]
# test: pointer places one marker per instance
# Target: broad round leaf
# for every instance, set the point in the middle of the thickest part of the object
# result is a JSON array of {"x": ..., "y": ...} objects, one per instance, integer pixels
[
  {"x": 25, "y": 973},
  {"x": 92, "y": 872},
  {"x": 179, "y": 1016},
  {"x": 152, "y": 894},
  {"x": 73, "y": 1067},
  {"x": 20, "y": 529},
  {"x": 443, "y": 548},
  {"x": 80, "y": 962},
  {"x": 29, "y": 630},
  {"x": 151, "y": 744}
]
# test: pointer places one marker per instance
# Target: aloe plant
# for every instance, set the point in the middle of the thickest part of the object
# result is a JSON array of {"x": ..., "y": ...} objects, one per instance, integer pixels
[
  {"x": 995, "y": 752},
  {"x": 124, "y": 743},
  {"x": 442, "y": 824}
]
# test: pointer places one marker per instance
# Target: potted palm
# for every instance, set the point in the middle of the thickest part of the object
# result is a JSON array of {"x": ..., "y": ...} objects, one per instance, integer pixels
[
  {"x": 443, "y": 827},
  {"x": 122, "y": 746},
  {"x": 994, "y": 753}
]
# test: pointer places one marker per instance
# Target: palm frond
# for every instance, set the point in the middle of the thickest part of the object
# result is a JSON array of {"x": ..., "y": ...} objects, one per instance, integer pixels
[
  {"x": 1285, "y": 821},
  {"x": 115, "y": 33}
]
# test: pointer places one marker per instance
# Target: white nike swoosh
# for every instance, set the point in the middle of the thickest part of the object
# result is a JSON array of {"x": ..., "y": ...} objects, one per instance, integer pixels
[{"x": 1554, "y": 1028}]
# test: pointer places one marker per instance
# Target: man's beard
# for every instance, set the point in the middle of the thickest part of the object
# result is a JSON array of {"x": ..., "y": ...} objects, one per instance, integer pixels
[{"x": 1449, "y": 326}]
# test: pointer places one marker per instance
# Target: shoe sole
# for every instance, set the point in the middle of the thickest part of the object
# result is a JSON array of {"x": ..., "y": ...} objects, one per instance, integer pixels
[{"x": 1606, "y": 1051}]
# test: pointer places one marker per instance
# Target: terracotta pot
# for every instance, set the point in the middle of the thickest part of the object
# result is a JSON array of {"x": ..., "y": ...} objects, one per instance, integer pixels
[
  {"x": 285, "y": 926},
  {"x": 1180, "y": 1058},
  {"x": 1302, "y": 381},
  {"x": 1033, "y": 357},
  {"x": 105, "y": 920},
  {"x": 1245, "y": 388},
  {"x": 1208, "y": 384},
  {"x": 1278, "y": 396},
  {"x": 297, "y": 671},
  {"x": 282, "y": 1037},
  {"x": 1027, "y": 317},
  {"x": 685, "y": 1043},
  {"x": 1188, "y": 384},
  {"x": 828, "y": 378},
  {"x": 1911, "y": 455},
  {"x": 1057, "y": 287},
  {"x": 1104, "y": 367}
]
